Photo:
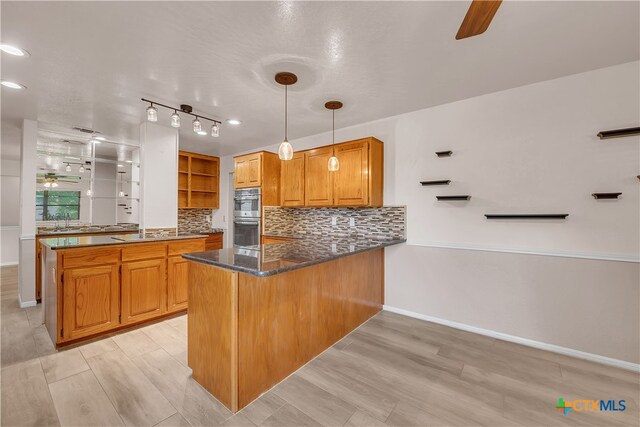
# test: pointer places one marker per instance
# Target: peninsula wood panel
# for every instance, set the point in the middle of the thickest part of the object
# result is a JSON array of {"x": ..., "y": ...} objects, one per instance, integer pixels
[
  {"x": 214, "y": 241},
  {"x": 318, "y": 180},
  {"x": 143, "y": 290},
  {"x": 212, "y": 331},
  {"x": 294, "y": 316},
  {"x": 292, "y": 181},
  {"x": 91, "y": 300}
]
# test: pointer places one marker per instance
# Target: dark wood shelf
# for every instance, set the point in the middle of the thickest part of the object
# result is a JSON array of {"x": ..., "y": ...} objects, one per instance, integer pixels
[
  {"x": 618, "y": 133},
  {"x": 463, "y": 197},
  {"x": 444, "y": 153},
  {"x": 439, "y": 182},
  {"x": 606, "y": 195},
  {"x": 526, "y": 216}
]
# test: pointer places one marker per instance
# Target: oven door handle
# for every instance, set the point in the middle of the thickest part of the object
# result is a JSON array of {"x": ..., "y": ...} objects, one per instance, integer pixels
[
  {"x": 247, "y": 222},
  {"x": 246, "y": 198}
]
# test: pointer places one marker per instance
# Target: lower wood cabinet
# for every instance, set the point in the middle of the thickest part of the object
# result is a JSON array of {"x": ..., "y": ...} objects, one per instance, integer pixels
[
  {"x": 144, "y": 291},
  {"x": 91, "y": 301},
  {"x": 213, "y": 242},
  {"x": 177, "y": 283}
]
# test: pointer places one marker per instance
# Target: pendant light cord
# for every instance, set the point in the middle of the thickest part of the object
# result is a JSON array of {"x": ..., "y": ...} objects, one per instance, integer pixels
[
  {"x": 333, "y": 131},
  {"x": 285, "y": 114}
]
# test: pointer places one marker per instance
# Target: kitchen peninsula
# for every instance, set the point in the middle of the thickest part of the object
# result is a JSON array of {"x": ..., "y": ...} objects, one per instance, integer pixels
[
  {"x": 98, "y": 284},
  {"x": 257, "y": 315}
]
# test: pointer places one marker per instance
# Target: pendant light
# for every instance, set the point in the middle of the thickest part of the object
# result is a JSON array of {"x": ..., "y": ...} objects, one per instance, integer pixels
[
  {"x": 152, "y": 113},
  {"x": 334, "y": 163},
  {"x": 215, "y": 130},
  {"x": 285, "y": 151},
  {"x": 121, "y": 194},
  {"x": 81, "y": 169},
  {"x": 89, "y": 192},
  {"x": 175, "y": 119},
  {"x": 197, "y": 126},
  {"x": 68, "y": 167}
]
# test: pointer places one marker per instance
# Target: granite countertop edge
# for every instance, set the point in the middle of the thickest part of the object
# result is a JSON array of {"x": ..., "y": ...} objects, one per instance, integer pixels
[
  {"x": 117, "y": 242},
  {"x": 73, "y": 232},
  {"x": 194, "y": 257}
]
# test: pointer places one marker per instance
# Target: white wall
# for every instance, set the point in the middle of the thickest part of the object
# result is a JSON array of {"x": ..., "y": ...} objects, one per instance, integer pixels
[
  {"x": 531, "y": 149},
  {"x": 27, "y": 251},
  {"x": 158, "y": 176},
  {"x": 10, "y": 211}
]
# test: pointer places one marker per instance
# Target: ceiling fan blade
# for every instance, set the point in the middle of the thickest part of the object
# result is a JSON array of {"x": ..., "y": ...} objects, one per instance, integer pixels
[{"x": 478, "y": 18}]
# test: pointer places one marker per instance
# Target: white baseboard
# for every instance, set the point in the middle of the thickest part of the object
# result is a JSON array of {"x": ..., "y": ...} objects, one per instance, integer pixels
[
  {"x": 519, "y": 340},
  {"x": 25, "y": 304},
  {"x": 8, "y": 264}
]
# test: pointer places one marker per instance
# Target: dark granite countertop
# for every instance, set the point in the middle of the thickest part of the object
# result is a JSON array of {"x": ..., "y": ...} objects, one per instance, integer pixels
[
  {"x": 88, "y": 230},
  {"x": 119, "y": 239},
  {"x": 267, "y": 260}
]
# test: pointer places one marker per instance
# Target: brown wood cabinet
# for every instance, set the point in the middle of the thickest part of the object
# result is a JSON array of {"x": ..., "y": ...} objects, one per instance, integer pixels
[
  {"x": 292, "y": 181},
  {"x": 261, "y": 169},
  {"x": 350, "y": 182},
  {"x": 318, "y": 181},
  {"x": 144, "y": 290},
  {"x": 214, "y": 241},
  {"x": 198, "y": 181},
  {"x": 248, "y": 170},
  {"x": 93, "y": 290},
  {"x": 91, "y": 301}
]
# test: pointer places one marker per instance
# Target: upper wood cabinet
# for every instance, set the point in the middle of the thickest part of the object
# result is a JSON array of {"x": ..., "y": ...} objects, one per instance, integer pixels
[
  {"x": 261, "y": 169},
  {"x": 198, "y": 181},
  {"x": 292, "y": 182},
  {"x": 91, "y": 300},
  {"x": 318, "y": 181},
  {"x": 350, "y": 182}
]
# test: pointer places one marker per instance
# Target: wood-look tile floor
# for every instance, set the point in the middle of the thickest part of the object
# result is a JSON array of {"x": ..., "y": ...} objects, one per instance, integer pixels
[{"x": 392, "y": 371}]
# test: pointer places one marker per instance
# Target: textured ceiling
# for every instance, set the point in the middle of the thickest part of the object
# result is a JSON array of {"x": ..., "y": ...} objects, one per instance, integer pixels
[{"x": 91, "y": 62}]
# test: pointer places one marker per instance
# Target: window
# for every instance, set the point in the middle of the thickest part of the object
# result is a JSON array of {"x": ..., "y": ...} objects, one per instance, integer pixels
[{"x": 52, "y": 205}]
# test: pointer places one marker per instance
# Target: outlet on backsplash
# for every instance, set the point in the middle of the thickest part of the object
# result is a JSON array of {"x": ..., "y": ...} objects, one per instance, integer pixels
[
  {"x": 334, "y": 220},
  {"x": 352, "y": 222}
]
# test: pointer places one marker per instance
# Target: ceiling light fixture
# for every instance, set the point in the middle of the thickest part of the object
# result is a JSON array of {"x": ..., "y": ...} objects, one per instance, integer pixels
[
  {"x": 197, "y": 125},
  {"x": 120, "y": 166},
  {"x": 68, "y": 167},
  {"x": 12, "y": 85},
  {"x": 215, "y": 130},
  {"x": 234, "y": 122},
  {"x": 175, "y": 119},
  {"x": 81, "y": 169},
  {"x": 285, "y": 151},
  {"x": 13, "y": 50},
  {"x": 89, "y": 192},
  {"x": 121, "y": 193},
  {"x": 152, "y": 113},
  {"x": 334, "y": 163},
  {"x": 99, "y": 138},
  {"x": 185, "y": 109},
  {"x": 202, "y": 133}
]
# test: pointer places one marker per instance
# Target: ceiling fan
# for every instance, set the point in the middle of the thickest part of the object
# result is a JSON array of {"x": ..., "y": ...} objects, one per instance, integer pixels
[{"x": 478, "y": 18}]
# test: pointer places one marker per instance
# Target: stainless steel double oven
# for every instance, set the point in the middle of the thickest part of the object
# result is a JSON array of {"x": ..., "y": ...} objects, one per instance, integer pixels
[{"x": 246, "y": 217}]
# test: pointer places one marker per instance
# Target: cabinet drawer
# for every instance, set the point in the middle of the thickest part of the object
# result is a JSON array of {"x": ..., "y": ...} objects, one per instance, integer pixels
[
  {"x": 144, "y": 251},
  {"x": 186, "y": 246},
  {"x": 90, "y": 256}
]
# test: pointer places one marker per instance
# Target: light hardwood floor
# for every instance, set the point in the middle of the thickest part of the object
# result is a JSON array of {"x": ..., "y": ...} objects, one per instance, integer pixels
[{"x": 392, "y": 371}]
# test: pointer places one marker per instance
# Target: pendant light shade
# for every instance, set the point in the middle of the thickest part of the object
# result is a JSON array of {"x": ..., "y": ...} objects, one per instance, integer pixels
[
  {"x": 215, "y": 130},
  {"x": 334, "y": 163},
  {"x": 175, "y": 120},
  {"x": 89, "y": 192},
  {"x": 68, "y": 168},
  {"x": 197, "y": 126},
  {"x": 121, "y": 194},
  {"x": 81, "y": 169},
  {"x": 54, "y": 184},
  {"x": 152, "y": 113},
  {"x": 285, "y": 151}
]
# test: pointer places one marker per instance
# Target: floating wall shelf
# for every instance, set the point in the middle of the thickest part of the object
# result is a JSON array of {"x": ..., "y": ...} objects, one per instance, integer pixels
[
  {"x": 439, "y": 182},
  {"x": 444, "y": 153},
  {"x": 618, "y": 133},
  {"x": 465, "y": 197},
  {"x": 526, "y": 216},
  {"x": 606, "y": 195}
]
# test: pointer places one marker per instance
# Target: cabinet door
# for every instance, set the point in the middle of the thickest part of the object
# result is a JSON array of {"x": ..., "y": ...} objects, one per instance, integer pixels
[
  {"x": 177, "y": 283},
  {"x": 318, "y": 181},
  {"x": 240, "y": 173},
  {"x": 144, "y": 290},
  {"x": 351, "y": 181},
  {"x": 292, "y": 181},
  {"x": 254, "y": 170},
  {"x": 91, "y": 301}
]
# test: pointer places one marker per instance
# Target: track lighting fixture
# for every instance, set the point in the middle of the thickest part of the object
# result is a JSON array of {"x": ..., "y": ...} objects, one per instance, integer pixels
[
  {"x": 81, "y": 169},
  {"x": 334, "y": 163},
  {"x": 285, "y": 151},
  {"x": 185, "y": 109},
  {"x": 68, "y": 167},
  {"x": 197, "y": 126},
  {"x": 152, "y": 113},
  {"x": 175, "y": 119}
]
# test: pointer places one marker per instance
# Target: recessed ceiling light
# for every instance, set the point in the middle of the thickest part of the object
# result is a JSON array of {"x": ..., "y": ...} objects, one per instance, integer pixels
[
  {"x": 12, "y": 50},
  {"x": 100, "y": 138},
  {"x": 201, "y": 132},
  {"x": 233, "y": 121},
  {"x": 120, "y": 166},
  {"x": 12, "y": 85},
  {"x": 95, "y": 141}
]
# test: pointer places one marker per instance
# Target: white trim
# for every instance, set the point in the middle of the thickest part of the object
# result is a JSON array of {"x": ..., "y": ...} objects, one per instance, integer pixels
[
  {"x": 7, "y": 264},
  {"x": 27, "y": 237},
  {"x": 581, "y": 255},
  {"x": 623, "y": 364},
  {"x": 26, "y": 304}
]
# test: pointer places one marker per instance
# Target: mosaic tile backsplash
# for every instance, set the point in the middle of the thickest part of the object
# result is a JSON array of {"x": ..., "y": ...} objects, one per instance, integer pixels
[
  {"x": 385, "y": 223},
  {"x": 193, "y": 220}
]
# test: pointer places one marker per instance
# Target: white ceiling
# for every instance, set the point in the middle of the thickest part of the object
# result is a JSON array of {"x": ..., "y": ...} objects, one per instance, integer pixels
[{"x": 91, "y": 62}]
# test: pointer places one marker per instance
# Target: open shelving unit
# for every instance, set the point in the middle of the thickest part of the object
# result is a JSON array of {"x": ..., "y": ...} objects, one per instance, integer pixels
[{"x": 198, "y": 181}]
